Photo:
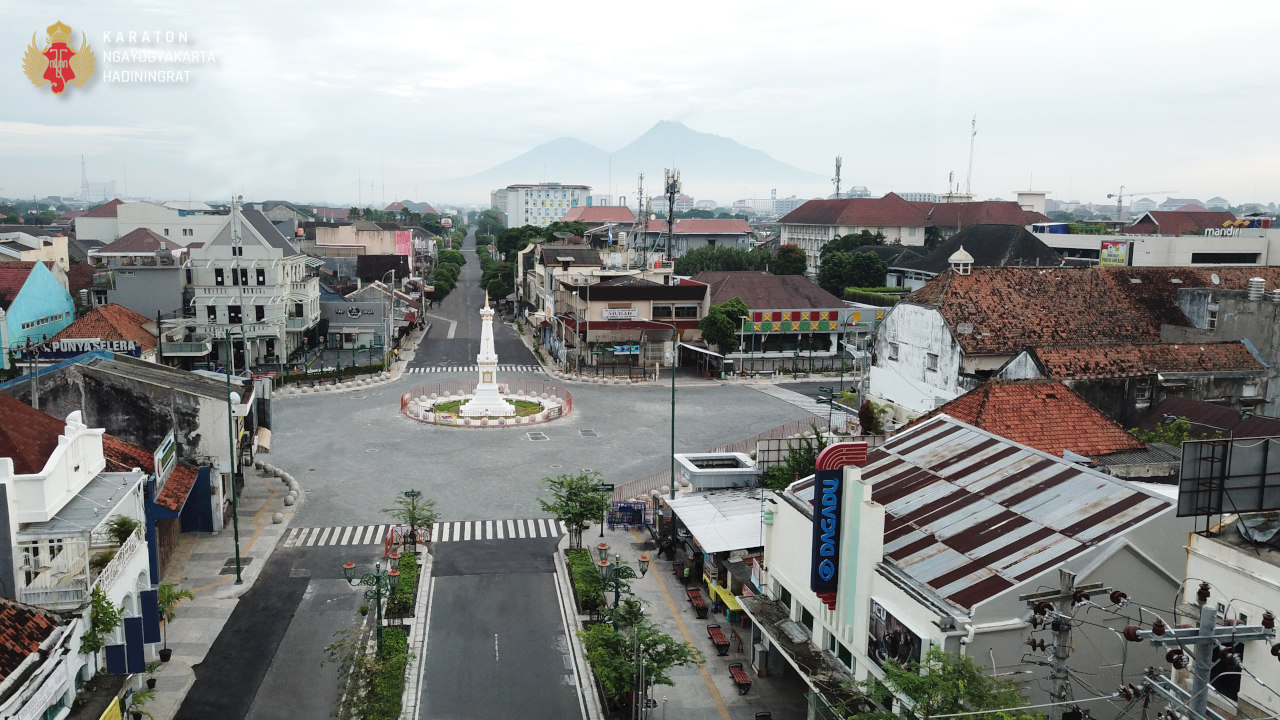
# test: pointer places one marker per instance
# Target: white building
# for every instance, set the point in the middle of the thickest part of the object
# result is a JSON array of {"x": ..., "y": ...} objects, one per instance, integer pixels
[
  {"x": 250, "y": 283},
  {"x": 59, "y": 507},
  {"x": 932, "y": 543},
  {"x": 115, "y": 219},
  {"x": 540, "y": 204}
]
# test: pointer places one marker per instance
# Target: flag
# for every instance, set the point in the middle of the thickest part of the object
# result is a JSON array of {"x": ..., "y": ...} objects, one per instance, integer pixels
[{"x": 610, "y": 234}]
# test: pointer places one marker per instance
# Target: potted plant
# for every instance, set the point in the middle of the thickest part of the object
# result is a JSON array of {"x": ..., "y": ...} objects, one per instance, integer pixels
[
  {"x": 121, "y": 527},
  {"x": 151, "y": 674},
  {"x": 364, "y": 609},
  {"x": 168, "y": 597},
  {"x": 137, "y": 700}
]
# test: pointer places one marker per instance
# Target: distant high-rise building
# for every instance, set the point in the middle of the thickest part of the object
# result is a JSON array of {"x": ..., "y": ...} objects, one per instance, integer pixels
[
  {"x": 538, "y": 205},
  {"x": 919, "y": 197}
]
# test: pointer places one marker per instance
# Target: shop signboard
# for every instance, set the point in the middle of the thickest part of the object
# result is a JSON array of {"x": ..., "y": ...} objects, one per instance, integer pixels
[
  {"x": 889, "y": 639},
  {"x": 72, "y": 347},
  {"x": 1114, "y": 253},
  {"x": 619, "y": 313},
  {"x": 166, "y": 457},
  {"x": 825, "y": 560}
]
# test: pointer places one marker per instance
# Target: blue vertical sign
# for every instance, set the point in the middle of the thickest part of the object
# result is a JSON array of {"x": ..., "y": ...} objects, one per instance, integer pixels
[{"x": 824, "y": 574}]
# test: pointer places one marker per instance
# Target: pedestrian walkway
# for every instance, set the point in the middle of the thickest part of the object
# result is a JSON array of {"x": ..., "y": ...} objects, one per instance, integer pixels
[
  {"x": 471, "y": 368},
  {"x": 803, "y": 401},
  {"x": 455, "y": 531}
]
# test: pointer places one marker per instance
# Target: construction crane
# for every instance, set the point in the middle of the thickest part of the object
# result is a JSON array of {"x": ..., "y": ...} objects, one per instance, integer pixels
[{"x": 1119, "y": 196}]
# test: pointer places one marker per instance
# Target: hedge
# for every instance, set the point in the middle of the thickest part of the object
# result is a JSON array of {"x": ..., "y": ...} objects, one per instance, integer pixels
[
  {"x": 388, "y": 685},
  {"x": 402, "y": 599},
  {"x": 870, "y": 298},
  {"x": 587, "y": 584}
]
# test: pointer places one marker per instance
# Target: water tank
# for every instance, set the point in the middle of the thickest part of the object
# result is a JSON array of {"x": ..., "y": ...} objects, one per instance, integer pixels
[{"x": 1256, "y": 287}]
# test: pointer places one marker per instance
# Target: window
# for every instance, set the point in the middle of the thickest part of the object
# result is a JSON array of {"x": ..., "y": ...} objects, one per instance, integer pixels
[
  {"x": 259, "y": 312},
  {"x": 244, "y": 276},
  {"x": 662, "y": 311},
  {"x": 188, "y": 232},
  {"x": 1212, "y": 321},
  {"x": 806, "y": 618},
  {"x": 233, "y": 314},
  {"x": 166, "y": 232},
  {"x": 1142, "y": 392},
  {"x": 784, "y": 597},
  {"x": 893, "y": 351},
  {"x": 931, "y": 359},
  {"x": 262, "y": 276},
  {"x": 211, "y": 313},
  {"x": 687, "y": 311},
  {"x": 217, "y": 277},
  {"x": 237, "y": 251}
]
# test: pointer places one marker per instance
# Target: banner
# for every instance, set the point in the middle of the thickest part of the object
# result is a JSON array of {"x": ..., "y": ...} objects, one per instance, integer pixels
[{"x": 824, "y": 562}]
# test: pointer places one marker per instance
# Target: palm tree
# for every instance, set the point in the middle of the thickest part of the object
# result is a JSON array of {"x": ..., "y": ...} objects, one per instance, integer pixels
[{"x": 168, "y": 597}]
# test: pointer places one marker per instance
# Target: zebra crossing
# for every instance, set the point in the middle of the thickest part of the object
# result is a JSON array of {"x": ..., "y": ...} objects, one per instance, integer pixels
[
  {"x": 471, "y": 368},
  {"x": 455, "y": 531}
]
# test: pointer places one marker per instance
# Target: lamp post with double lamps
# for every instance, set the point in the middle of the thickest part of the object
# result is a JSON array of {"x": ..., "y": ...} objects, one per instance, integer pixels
[
  {"x": 616, "y": 574},
  {"x": 413, "y": 496},
  {"x": 379, "y": 582}
]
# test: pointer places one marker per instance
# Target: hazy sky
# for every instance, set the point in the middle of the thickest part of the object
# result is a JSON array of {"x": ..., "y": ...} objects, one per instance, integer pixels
[{"x": 302, "y": 98}]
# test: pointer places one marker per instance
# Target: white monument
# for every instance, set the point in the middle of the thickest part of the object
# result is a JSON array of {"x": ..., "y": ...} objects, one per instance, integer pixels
[{"x": 487, "y": 400}]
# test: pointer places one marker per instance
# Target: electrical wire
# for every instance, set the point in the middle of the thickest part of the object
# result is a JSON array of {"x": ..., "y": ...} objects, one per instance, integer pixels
[{"x": 1024, "y": 707}]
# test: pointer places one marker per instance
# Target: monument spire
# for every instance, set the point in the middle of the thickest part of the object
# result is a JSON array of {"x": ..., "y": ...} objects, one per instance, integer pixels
[{"x": 487, "y": 400}]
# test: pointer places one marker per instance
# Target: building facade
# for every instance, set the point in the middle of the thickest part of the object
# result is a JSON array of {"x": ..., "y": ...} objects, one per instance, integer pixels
[{"x": 538, "y": 204}]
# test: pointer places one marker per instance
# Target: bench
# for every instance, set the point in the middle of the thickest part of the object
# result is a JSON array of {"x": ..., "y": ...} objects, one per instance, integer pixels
[
  {"x": 740, "y": 678},
  {"x": 764, "y": 715},
  {"x": 718, "y": 639},
  {"x": 698, "y": 603}
]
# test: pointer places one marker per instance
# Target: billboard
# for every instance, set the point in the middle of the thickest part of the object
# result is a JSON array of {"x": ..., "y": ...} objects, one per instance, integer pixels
[
  {"x": 889, "y": 639},
  {"x": 72, "y": 347},
  {"x": 165, "y": 458},
  {"x": 1114, "y": 253},
  {"x": 824, "y": 564},
  {"x": 1232, "y": 475}
]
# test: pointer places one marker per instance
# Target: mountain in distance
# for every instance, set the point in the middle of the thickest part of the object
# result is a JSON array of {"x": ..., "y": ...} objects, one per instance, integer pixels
[{"x": 711, "y": 167}]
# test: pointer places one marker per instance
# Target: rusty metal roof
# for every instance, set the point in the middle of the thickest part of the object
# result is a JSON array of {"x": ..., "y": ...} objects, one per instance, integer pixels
[{"x": 970, "y": 514}]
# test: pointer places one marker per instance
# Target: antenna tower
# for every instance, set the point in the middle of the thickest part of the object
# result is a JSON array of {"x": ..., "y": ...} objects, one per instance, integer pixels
[
  {"x": 836, "y": 179},
  {"x": 84, "y": 181},
  {"x": 642, "y": 221},
  {"x": 973, "y": 133}
]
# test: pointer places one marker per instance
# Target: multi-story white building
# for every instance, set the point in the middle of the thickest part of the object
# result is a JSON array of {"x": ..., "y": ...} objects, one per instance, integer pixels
[
  {"x": 115, "y": 219},
  {"x": 538, "y": 205},
  {"x": 250, "y": 283}
]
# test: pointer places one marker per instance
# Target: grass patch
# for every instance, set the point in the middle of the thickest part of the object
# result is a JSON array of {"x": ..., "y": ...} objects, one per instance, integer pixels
[
  {"x": 524, "y": 408},
  {"x": 388, "y": 682}
]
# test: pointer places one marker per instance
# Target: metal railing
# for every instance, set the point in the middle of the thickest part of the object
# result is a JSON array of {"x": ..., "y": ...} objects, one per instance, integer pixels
[{"x": 123, "y": 555}]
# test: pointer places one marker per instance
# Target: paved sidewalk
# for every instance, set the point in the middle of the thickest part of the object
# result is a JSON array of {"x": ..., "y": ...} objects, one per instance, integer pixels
[
  {"x": 395, "y": 372},
  {"x": 705, "y": 693},
  {"x": 204, "y": 563}
]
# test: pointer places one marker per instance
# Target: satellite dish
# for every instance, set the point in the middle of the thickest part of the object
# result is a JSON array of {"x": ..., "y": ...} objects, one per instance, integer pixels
[{"x": 1216, "y": 280}]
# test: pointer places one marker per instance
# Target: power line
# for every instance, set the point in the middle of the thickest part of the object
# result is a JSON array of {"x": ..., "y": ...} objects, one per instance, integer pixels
[{"x": 1025, "y": 707}]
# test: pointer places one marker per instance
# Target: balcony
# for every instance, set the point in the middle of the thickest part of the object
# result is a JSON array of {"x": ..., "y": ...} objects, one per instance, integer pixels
[
  {"x": 192, "y": 344},
  {"x": 105, "y": 279},
  {"x": 298, "y": 324}
]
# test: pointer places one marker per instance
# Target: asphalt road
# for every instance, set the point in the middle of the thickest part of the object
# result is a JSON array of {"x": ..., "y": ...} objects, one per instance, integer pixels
[{"x": 496, "y": 644}]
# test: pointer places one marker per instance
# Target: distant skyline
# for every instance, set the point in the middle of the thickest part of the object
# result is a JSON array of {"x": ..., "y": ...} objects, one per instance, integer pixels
[{"x": 325, "y": 106}]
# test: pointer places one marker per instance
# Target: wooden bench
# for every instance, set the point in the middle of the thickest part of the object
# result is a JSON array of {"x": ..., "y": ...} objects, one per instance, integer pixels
[
  {"x": 765, "y": 715},
  {"x": 698, "y": 603},
  {"x": 718, "y": 639},
  {"x": 740, "y": 678}
]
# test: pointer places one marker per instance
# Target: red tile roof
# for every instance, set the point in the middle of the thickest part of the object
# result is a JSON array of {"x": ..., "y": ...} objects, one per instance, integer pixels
[
  {"x": 765, "y": 291},
  {"x": 600, "y": 214},
  {"x": 1116, "y": 361},
  {"x": 1178, "y": 222},
  {"x": 111, "y": 322},
  {"x": 27, "y": 435},
  {"x": 962, "y": 215},
  {"x": 1010, "y": 308},
  {"x": 888, "y": 211},
  {"x": 1043, "y": 414},
  {"x": 13, "y": 275},
  {"x": 141, "y": 240},
  {"x": 79, "y": 277},
  {"x": 107, "y": 209},
  {"x": 123, "y": 457},
  {"x": 701, "y": 226},
  {"x": 22, "y": 629}
]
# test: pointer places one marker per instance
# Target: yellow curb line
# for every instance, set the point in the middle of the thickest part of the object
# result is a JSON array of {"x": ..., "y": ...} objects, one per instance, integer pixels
[{"x": 706, "y": 676}]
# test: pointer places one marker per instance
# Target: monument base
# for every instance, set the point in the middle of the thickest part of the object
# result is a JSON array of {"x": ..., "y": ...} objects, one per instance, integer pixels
[{"x": 487, "y": 401}]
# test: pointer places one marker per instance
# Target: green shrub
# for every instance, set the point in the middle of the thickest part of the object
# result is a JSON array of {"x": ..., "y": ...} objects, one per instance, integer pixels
[
  {"x": 388, "y": 682},
  {"x": 870, "y": 298},
  {"x": 587, "y": 584},
  {"x": 402, "y": 599}
]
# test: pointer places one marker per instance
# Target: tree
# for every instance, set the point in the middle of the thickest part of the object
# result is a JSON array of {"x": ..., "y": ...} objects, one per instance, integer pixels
[
  {"x": 412, "y": 510},
  {"x": 834, "y": 271},
  {"x": 866, "y": 270},
  {"x": 871, "y": 418},
  {"x": 720, "y": 325},
  {"x": 452, "y": 256},
  {"x": 497, "y": 289},
  {"x": 941, "y": 684},
  {"x": 614, "y": 655},
  {"x": 801, "y": 461},
  {"x": 789, "y": 260},
  {"x": 104, "y": 618},
  {"x": 1174, "y": 432},
  {"x": 852, "y": 241},
  {"x": 577, "y": 227},
  {"x": 576, "y": 501},
  {"x": 167, "y": 599},
  {"x": 712, "y": 257}
]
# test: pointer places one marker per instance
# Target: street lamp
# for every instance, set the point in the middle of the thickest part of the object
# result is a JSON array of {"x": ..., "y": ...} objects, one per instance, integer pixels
[
  {"x": 378, "y": 582},
  {"x": 673, "y": 406},
  {"x": 616, "y": 574},
  {"x": 413, "y": 496}
]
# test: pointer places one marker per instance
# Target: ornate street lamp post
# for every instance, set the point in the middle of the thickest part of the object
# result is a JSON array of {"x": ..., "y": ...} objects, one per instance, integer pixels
[
  {"x": 413, "y": 496},
  {"x": 379, "y": 582},
  {"x": 616, "y": 574}
]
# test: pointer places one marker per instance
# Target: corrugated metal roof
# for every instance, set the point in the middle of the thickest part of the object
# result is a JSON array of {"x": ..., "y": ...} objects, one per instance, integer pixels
[
  {"x": 722, "y": 520},
  {"x": 970, "y": 514}
]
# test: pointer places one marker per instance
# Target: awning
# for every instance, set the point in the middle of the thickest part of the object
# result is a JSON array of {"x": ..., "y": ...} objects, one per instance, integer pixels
[
  {"x": 723, "y": 593},
  {"x": 722, "y": 520},
  {"x": 701, "y": 349}
]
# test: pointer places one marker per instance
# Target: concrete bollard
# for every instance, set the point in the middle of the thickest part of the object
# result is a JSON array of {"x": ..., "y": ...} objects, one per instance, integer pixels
[
  {"x": 277, "y": 518},
  {"x": 289, "y": 500}
]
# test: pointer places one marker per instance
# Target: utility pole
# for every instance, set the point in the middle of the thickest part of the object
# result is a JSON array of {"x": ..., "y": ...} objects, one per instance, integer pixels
[
  {"x": 1205, "y": 641},
  {"x": 1059, "y": 603},
  {"x": 836, "y": 179}
]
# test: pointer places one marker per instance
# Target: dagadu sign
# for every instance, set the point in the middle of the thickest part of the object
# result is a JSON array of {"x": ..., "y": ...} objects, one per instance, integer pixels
[{"x": 824, "y": 574}]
